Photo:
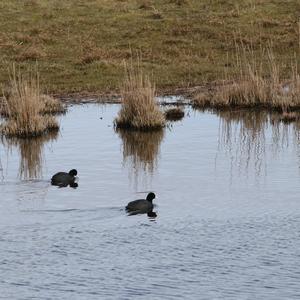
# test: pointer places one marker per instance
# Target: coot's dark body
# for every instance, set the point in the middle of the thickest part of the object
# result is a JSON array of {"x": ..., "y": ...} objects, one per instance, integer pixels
[
  {"x": 141, "y": 206},
  {"x": 63, "y": 179}
]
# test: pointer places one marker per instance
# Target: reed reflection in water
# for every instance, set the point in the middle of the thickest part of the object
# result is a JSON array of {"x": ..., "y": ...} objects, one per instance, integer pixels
[
  {"x": 245, "y": 135},
  {"x": 141, "y": 149},
  {"x": 31, "y": 154}
]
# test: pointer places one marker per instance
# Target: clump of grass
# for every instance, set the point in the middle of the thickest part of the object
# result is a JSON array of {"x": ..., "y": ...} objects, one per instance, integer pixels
[
  {"x": 89, "y": 58},
  {"x": 139, "y": 109},
  {"x": 23, "y": 108},
  {"x": 146, "y": 4},
  {"x": 30, "y": 125},
  {"x": 32, "y": 53},
  {"x": 258, "y": 85},
  {"x": 174, "y": 114},
  {"x": 51, "y": 105},
  {"x": 90, "y": 53},
  {"x": 157, "y": 15},
  {"x": 179, "y": 2}
]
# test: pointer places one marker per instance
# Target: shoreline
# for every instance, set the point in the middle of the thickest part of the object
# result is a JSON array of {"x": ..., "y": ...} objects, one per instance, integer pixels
[{"x": 114, "y": 97}]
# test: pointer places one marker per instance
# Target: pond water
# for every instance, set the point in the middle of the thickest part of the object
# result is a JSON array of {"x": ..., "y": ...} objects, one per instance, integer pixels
[{"x": 228, "y": 210}]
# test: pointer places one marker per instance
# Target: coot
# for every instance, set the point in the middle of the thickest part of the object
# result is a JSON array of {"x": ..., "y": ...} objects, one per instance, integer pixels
[
  {"x": 141, "y": 206},
  {"x": 63, "y": 179}
]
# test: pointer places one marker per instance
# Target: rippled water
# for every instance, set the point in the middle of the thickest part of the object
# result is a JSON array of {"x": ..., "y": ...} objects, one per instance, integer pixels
[{"x": 228, "y": 206}]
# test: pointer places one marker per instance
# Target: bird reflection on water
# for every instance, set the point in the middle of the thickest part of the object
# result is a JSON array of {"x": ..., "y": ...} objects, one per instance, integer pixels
[{"x": 150, "y": 214}]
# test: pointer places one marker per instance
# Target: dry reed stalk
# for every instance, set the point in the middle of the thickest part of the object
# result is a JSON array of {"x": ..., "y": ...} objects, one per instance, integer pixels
[
  {"x": 139, "y": 109},
  {"x": 24, "y": 106}
]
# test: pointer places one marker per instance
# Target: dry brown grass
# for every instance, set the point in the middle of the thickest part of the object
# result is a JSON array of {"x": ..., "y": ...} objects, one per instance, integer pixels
[
  {"x": 201, "y": 33},
  {"x": 51, "y": 105},
  {"x": 139, "y": 109},
  {"x": 180, "y": 2},
  {"x": 24, "y": 106},
  {"x": 174, "y": 114},
  {"x": 259, "y": 85},
  {"x": 35, "y": 125},
  {"x": 31, "y": 53},
  {"x": 146, "y": 4},
  {"x": 156, "y": 14}
]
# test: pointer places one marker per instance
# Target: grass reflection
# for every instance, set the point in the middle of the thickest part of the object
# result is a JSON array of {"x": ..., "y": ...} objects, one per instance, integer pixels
[
  {"x": 141, "y": 148},
  {"x": 249, "y": 135},
  {"x": 31, "y": 154}
]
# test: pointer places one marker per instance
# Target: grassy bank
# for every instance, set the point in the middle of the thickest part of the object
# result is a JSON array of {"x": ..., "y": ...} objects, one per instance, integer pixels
[
  {"x": 260, "y": 84},
  {"x": 80, "y": 45}
]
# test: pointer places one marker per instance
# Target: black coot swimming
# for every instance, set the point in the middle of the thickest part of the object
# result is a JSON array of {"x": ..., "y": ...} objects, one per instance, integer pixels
[
  {"x": 63, "y": 179},
  {"x": 141, "y": 206}
]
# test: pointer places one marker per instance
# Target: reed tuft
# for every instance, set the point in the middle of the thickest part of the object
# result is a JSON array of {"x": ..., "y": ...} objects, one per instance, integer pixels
[
  {"x": 23, "y": 108},
  {"x": 139, "y": 109},
  {"x": 52, "y": 105}
]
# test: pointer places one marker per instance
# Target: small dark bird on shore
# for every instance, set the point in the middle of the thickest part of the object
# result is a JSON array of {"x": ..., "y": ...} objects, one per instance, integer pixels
[
  {"x": 63, "y": 179},
  {"x": 141, "y": 206}
]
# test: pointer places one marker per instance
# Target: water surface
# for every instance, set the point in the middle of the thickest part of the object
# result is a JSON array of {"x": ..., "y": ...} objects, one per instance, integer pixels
[{"x": 228, "y": 208}]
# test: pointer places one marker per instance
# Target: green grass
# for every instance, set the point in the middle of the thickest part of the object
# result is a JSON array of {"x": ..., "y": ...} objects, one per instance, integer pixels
[{"x": 81, "y": 45}]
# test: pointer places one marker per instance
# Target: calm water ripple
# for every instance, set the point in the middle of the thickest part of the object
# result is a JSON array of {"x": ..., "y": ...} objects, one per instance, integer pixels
[{"x": 228, "y": 210}]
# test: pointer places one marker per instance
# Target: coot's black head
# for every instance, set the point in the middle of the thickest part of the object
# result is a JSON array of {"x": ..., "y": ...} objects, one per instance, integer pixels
[
  {"x": 150, "y": 197},
  {"x": 73, "y": 172}
]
